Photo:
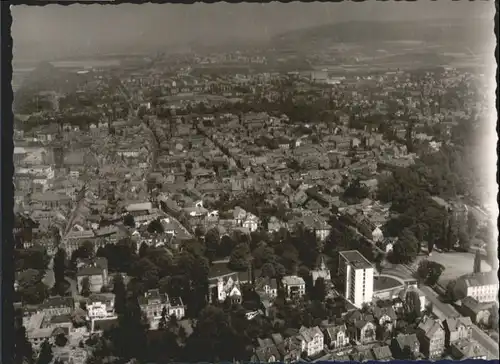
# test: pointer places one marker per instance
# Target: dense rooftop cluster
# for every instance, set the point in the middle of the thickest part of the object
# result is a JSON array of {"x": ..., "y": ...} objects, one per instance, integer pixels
[{"x": 176, "y": 214}]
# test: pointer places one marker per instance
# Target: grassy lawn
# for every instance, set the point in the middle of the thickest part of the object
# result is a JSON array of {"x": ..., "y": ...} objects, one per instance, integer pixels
[
  {"x": 382, "y": 283},
  {"x": 456, "y": 264}
]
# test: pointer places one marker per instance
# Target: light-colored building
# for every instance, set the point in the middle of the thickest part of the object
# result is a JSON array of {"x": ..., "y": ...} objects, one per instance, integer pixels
[
  {"x": 245, "y": 219},
  {"x": 377, "y": 234},
  {"x": 312, "y": 340},
  {"x": 357, "y": 273},
  {"x": 224, "y": 283},
  {"x": 294, "y": 286},
  {"x": 482, "y": 286},
  {"x": 226, "y": 287},
  {"x": 268, "y": 286},
  {"x": 337, "y": 336},
  {"x": 101, "y": 305},
  {"x": 176, "y": 308}
]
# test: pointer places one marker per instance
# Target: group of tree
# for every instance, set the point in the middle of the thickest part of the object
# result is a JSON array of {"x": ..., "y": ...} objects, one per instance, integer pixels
[
  {"x": 23, "y": 351},
  {"x": 85, "y": 251},
  {"x": 355, "y": 192},
  {"x": 184, "y": 275},
  {"x": 59, "y": 268},
  {"x": 413, "y": 306},
  {"x": 35, "y": 257},
  {"x": 406, "y": 248},
  {"x": 429, "y": 272},
  {"x": 218, "y": 334},
  {"x": 120, "y": 256},
  {"x": 155, "y": 226},
  {"x": 423, "y": 217},
  {"x": 31, "y": 288}
]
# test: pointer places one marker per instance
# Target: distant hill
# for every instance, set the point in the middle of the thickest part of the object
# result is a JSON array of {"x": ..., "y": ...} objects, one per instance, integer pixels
[
  {"x": 44, "y": 77},
  {"x": 47, "y": 77},
  {"x": 464, "y": 31}
]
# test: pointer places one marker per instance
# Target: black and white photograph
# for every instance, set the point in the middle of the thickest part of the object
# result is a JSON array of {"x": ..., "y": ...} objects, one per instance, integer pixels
[{"x": 254, "y": 182}]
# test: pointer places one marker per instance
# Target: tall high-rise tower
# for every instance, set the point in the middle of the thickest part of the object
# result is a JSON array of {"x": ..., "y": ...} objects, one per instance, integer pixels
[{"x": 357, "y": 273}]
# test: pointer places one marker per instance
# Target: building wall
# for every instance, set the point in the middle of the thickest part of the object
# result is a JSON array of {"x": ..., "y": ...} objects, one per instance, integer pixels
[
  {"x": 487, "y": 293},
  {"x": 368, "y": 285},
  {"x": 57, "y": 311},
  {"x": 179, "y": 312},
  {"x": 347, "y": 277},
  {"x": 359, "y": 286},
  {"x": 322, "y": 234},
  {"x": 462, "y": 333},
  {"x": 437, "y": 344},
  {"x": 315, "y": 346},
  {"x": 98, "y": 310},
  {"x": 341, "y": 340}
]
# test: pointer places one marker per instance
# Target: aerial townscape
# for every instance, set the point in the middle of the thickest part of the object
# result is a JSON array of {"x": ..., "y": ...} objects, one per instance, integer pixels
[{"x": 309, "y": 198}]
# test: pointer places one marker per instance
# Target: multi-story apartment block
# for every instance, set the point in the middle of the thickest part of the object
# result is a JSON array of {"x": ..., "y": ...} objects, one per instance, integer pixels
[
  {"x": 357, "y": 273},
  {"x": 482, "y": 286}
]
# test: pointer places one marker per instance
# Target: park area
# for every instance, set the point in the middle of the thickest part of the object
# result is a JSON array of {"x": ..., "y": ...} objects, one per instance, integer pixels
[
  {"x": 456, "y": 264},
  {"x": 381, "y": 283}
]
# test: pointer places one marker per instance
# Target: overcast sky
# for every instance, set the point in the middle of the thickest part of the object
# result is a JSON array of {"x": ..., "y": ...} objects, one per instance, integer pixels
[{"x": 52, "y": 31}]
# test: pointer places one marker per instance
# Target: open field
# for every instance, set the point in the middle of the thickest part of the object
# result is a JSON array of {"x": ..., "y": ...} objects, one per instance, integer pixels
[
  {"x": 456, "y": 264},
  {"x": 396, "y": 270},
  {"x": 383, "y": 283}
]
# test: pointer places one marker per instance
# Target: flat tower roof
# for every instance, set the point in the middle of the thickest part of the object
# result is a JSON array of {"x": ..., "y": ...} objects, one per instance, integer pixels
[{"x": 356, "y": 259}]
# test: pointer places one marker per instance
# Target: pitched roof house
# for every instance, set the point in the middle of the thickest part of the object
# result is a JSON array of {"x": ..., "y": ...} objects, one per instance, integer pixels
[
  {"x": 405, "y": 346},
  {"x": 478, "y": 312},
  {"x": 313, "y": 340},
  {"x": 361, "y": 327},
  {"x": 457, "y": 329},
  {"x": 382, "y": 353},
  {"x": 431, "y": 335},
  {"x": 336, "y": 336},
  {"x": 467, "y": 349}
]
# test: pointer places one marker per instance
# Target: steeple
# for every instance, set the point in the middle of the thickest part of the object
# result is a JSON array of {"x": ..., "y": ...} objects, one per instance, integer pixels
[{"x": 322, "y": 265}]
